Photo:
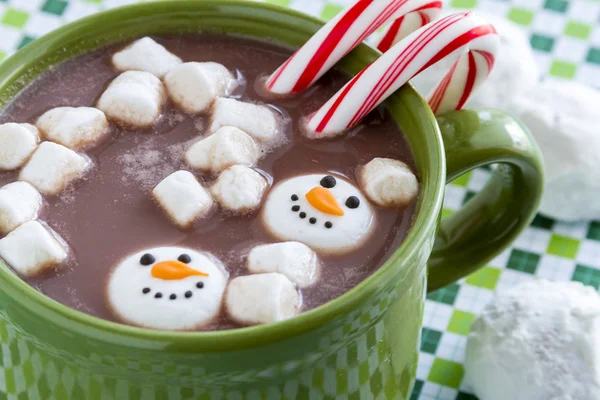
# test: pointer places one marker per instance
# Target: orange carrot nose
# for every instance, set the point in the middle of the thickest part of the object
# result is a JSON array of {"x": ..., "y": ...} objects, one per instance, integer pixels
[
  {"x": 322, "y": 199},
  {"x": 172, "y": 270}
]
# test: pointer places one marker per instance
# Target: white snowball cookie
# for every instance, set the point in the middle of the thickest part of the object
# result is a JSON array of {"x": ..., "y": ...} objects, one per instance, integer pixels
[
  {"x": 168, "y": 288},
  {"x": 17, "y": 143},
  {"x": 145, "y": 55},
  {"x": 239, "y": 189},
  {"x": 194, "y": 86},
  {"x": 564, "y": 120},
  {"x": 325, "y": 212},
  {"x": 134, "y": 98},
  {"x": 257, "y": 121},
  {"x": 388, "y": 183},
  {"x": 515, "y": 69},
  {"x": 298, "y": 262},
  {"x": 262, "y": 299},
  {"x": 73, "y": 127},
  {"x": 537, "y": 341},
  {"x": 19, "y": 202}
]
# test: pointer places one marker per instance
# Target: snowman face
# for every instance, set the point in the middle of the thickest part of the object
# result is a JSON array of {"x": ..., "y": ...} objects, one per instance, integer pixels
[
  {"x": 325, "y": 212},
  {"x": 169, "y": 288}
]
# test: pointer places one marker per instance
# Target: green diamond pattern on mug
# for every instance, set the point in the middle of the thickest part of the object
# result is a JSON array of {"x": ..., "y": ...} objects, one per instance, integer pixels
[{"x": 565, "y": 36}]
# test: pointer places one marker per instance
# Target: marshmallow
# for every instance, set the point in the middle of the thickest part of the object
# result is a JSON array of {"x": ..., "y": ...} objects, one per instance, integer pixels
[
  {"x": 327, "y": 213},
  {"x": 295, "y": 260},
  {"x": 194, "y": 86},
  {"x": 563, "y": 118},
  {"x": 133, "y": 98},
  {"x": 388, "y": 183},
  {"x": 52, "y": 167},
  {"x": 168, "y": 288},
  {"x": 17, "y": 142},
  {"x": 262, "y": 299},
  {"x": 73, "y": 127},
  {"x": 226, "y": 147},
  {"x": 32, "y": 248},
  {"x": 239, "y": 189},
  {"x": 182, "y": 198},
  {"x": 19, "y": 203},
  {"x": 145, "y": 55},
  {"x": 257, "y": 121},
  {"x": 539, "y": 340}
]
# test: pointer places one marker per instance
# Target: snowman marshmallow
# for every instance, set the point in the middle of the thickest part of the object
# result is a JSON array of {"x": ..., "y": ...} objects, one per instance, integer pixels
[
  {"x": 169, "y": 288},
  {"x": 323, "y": 211}
]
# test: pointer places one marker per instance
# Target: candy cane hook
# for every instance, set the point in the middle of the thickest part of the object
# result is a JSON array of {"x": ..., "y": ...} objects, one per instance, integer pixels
[
  {"x": 340, "y": 35},
  {"x": 471, "y": 35}
]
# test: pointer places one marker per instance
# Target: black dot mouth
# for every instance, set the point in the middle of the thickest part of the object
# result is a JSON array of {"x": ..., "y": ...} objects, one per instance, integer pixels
[
  {"x": 303, "y": 215},
  {"x": 173, "y": 296}
]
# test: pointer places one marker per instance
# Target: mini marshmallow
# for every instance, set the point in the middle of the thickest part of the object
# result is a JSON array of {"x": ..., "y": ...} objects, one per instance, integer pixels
[
  {"x": 226, "y": 147},
  {"x": 19, "y": 203},
  {"x": 182, "y": 198},
  {"x": 133, "y": 98},
  {"x": 262, "y": 299},
  {"x": 52, "y": 167},
  {"x": 239, "y": 189},
  {"x": 73, "y": 127},
  {"x": 169, "y": 288},
  {"x": 295, "y": 260},
  {"x": 257, "y": 121},
  {"x": 17, "y": 143},
  {"x": 146, "y": 55},
  {"x": 195, "y": 86},
  {"x": 32, "y": 248},
  {"x": 388, "y": 183}
]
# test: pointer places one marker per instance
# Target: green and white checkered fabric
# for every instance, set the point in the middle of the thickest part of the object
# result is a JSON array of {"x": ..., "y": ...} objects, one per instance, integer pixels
[{"x": 566, "y": 38}]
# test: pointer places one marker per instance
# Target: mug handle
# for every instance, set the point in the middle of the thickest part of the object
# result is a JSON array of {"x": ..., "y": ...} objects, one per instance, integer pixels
[{"x": 492, "y": 219}]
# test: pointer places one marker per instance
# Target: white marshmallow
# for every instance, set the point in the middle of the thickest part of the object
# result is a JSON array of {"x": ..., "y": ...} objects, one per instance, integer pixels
[
  {"x": 133, "y": 98},
  {"x": 194, "y": 86},
  {"x": 73, "y": 127},
  {"x": 388, "y": 183},
  {"x": 239, "y": 189},
  {"x": 17, "y": 142},
  {"x": 182, "y": 198},
  {"x": 32, "y": 248},
  {"x": 226, "y": 147},
  {"x": 19, "y": 203},
  {"x": 145, "y": 55},
  {"x": 262, "y": 299},
  {"x": 166, "y": 293},
  {"x": 257, "y": 121},
  {"x": 295, "y": 260},
  {"x": 52, "y": 167}
]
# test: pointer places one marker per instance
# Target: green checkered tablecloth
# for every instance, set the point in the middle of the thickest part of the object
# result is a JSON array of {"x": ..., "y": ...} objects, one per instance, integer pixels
[{"x": 566, "y": 39}]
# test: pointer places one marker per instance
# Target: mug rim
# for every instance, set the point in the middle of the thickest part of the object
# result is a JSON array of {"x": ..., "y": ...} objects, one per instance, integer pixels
[{"x": 425, "y": 218}]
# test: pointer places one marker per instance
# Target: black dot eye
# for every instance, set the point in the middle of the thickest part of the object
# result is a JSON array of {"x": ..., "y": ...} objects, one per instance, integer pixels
[
  {"x": 352, "y": 202},
  {"x": 147, "y": 259},
  {"x": 184, "y": 258},
  {"x": 328, "y": 182}
]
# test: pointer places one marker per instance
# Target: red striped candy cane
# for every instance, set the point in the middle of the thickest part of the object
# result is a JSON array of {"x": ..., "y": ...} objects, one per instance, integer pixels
[
  {"x": 332, "y": 42},
  {"x": 407, "y": 24},
  {"x": 462, "y": 32}
]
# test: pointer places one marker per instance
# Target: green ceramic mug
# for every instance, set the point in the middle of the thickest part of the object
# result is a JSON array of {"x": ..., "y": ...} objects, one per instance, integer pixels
[{"x": 363, "y": 344}]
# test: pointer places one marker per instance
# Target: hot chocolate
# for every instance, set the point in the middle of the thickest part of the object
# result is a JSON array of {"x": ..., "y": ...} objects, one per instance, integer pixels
[{"x": 303, "y": 220}]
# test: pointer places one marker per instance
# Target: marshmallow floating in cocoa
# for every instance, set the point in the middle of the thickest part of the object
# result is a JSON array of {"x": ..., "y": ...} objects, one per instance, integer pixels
[
  {"x": 17, "y": 143},
  {"x": 323, "y": 211},
  {"x": 194, "y": 86},
  {"x": 146, "y": 55},
  {"x": 32, "y": 248},
  {"x": 134, "y": 98},
  {"x": 183, "y": 198},
  {"x": 19, "y": 202},
  {"x": 52, "y": 167},
  {"x": 262, "y": 299},
  {"x": 169, "y": 288},
  {"x": 388, "y": 183},
  {"x": 73, "y": 127},
  {"x": 257, "y": 121},
  {"x": 298, "y": 262},
  {"x": 239, "y": 189},
  {"x": 226, "y": 147}
]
